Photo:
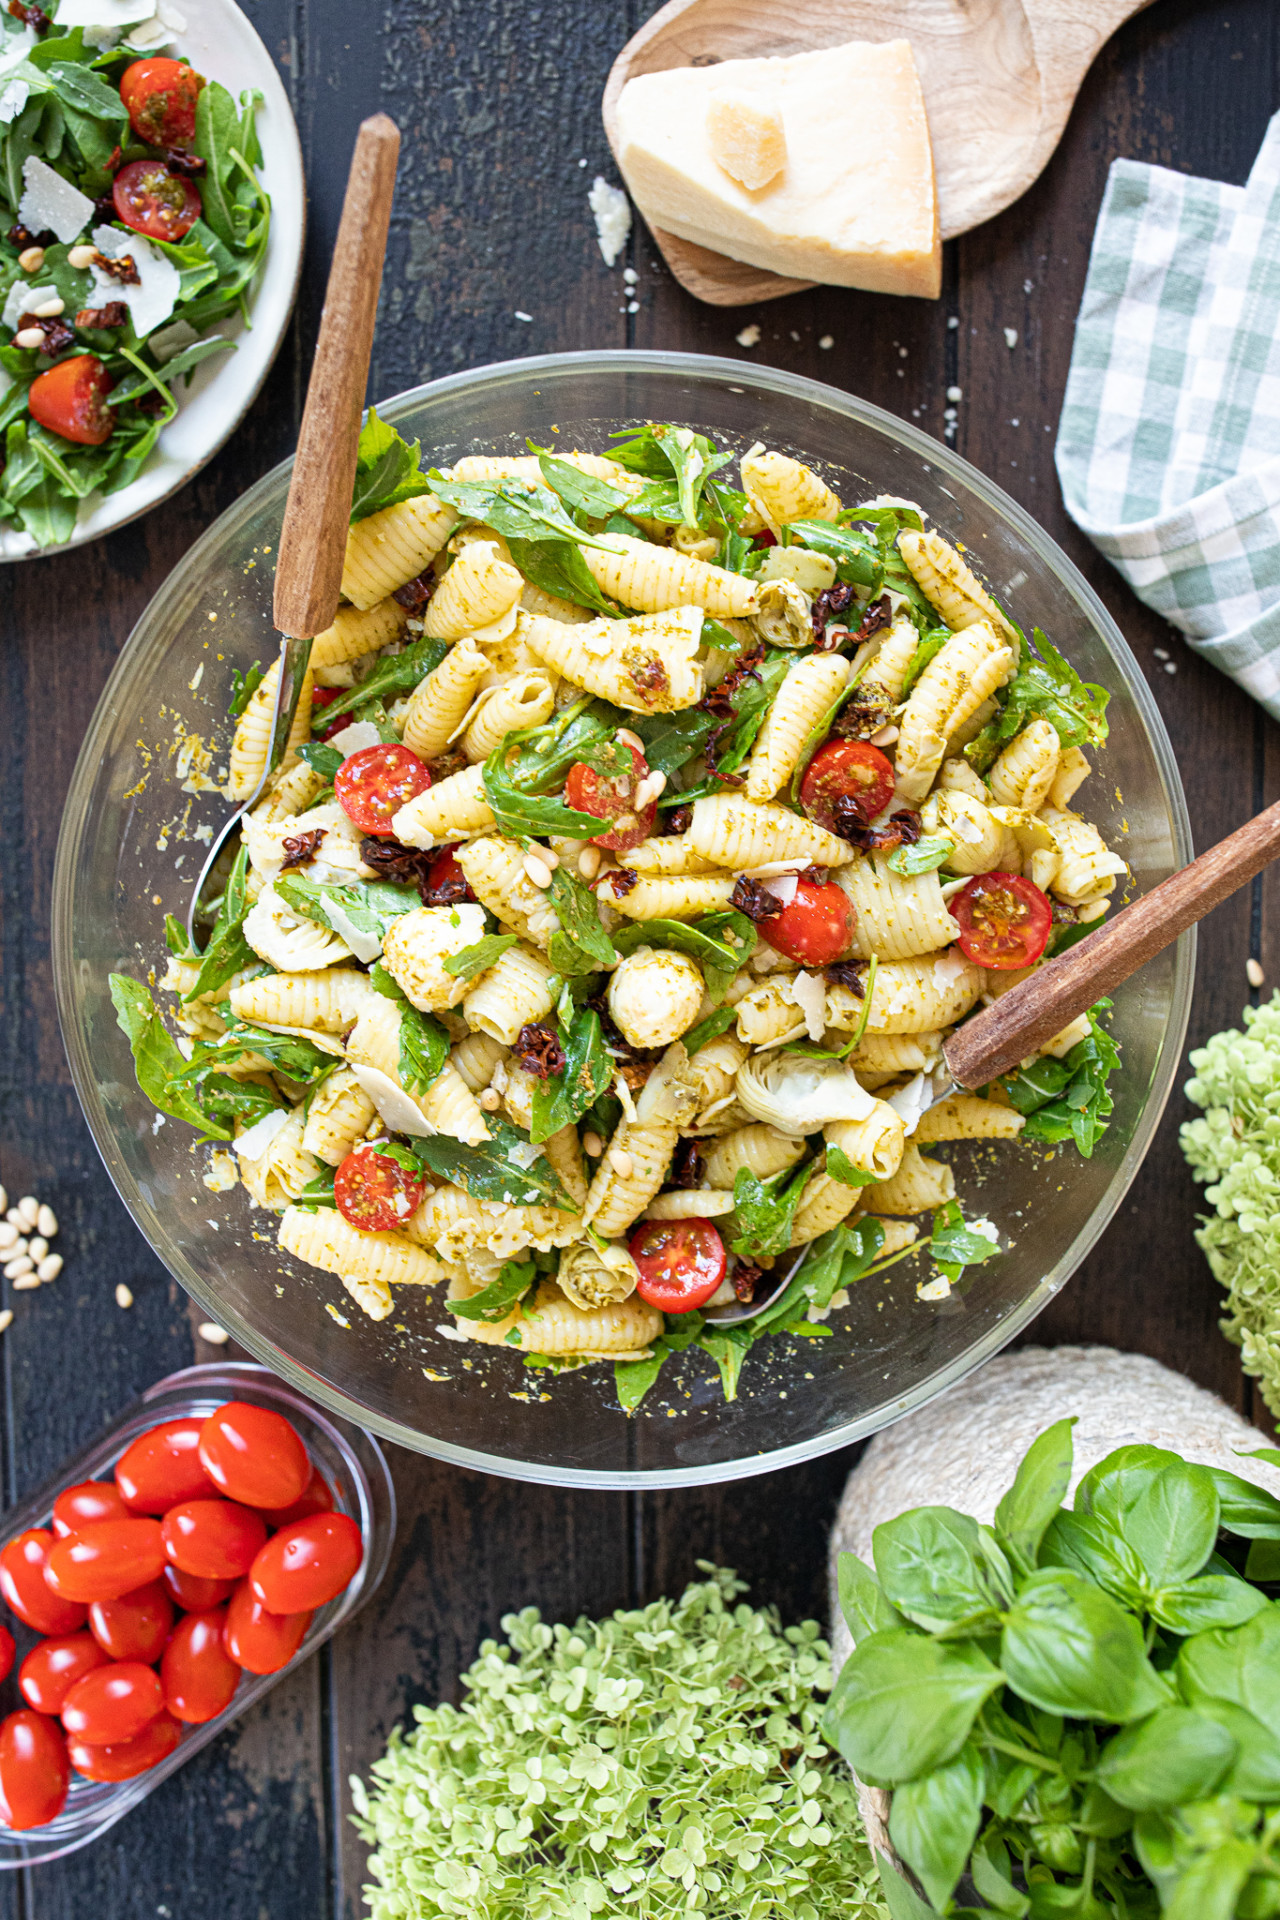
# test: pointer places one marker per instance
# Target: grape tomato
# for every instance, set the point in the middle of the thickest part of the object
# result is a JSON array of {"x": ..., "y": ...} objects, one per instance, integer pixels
[
  {"x": 308, "y": 1563},
  {"x": 135, "y": 1626},
  {"x": 253, "y": 1455},
  {"x": 816, "y": 927},
  {"x": 163, "y": 1467},
  {"x": 846, "y": 770},
  {"x": 1005, "y": 921},
  {"x": 612, "y": 798},
  {"x": 257, "y": 1639},
  {"x": 70, "y": 399},
  {"x": 160, "y": 99},
  {"x": 80, "y": 1506},
  {"x": 374, "y": 1192},
  {"x": 151, "y": 199},
  {"x": 114, "y": 1702},
  {"x": 215, "y": 1538},
  {"x": 52, "y": 1668},
  {"x": 681, "y": 1263},
  {"x": 371, "y": 786},
  {"x": 105, "y": 1559},
  {"x": 317, "y": 1497},
  {"x": 198, "y": 1673},
  {"x": 28, "y": 1593},
  {"x": 126, "y": 1759},
  {"x": 193, "y": 1593},
  {"x": 34, "y": 1772}
]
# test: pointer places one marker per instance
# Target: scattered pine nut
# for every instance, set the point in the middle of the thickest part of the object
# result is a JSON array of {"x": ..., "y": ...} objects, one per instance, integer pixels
[
  {"x": 29, "y": 1211},
  {"x": 538, "y": 871},
  {"x": 14, "y": 1269},
  {"x": 621, "y": 1162},
  {"x": 210, "y": 1331},
  {"x": 37, "y": 1248},
  {"x": 589, "y": 862},
  {"x": 8, "y": 1234},
  {"x": 25, "y": 1282},
  {"x": 628, "y": 739},
  {"x": 31, "y": 259},
  {"x": 6, "y": 1319},
  {"x": 15, "y": 1219},
  {"x": 50, "y": 1267},
  {"x": 490, "y": 1100},
  {"x": 124, "y": 1297},
  {"x": 82, "y": 257},
  {"x": 592, "y": 1144},
  {"x": 47, "y": 1222},
  {"x": 49, "y": 309},
  {"x": 1253, "y": 972},
  {"x": 29, "y": 337}
]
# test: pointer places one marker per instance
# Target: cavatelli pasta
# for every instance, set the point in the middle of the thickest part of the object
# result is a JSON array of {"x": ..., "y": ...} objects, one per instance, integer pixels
[
  {"x": 807, "y": 693},
  {"x": 286, "y": 941},
  {"x": 761, "y": 1149},
  {"x": 368, "y": 1264},
  {"x": 739, "y": 834},
  {"x": 825, "y": 1203},
  {"x": 339, "y": 1114},
  {"x": 919, "y": 1185},
  {"x": 893, "y": 653},
  {"x": 1073, "y": 771},
  {"x": 676, "y": 897},
  {"x": 477, "y": 589},
  {"x": 712, "y": 1070},
  {"x": 1023, "y": 774},
  {"x": 898, "y": 914},
  {"x": 288, "y": 792},
  {"x": 525, "y": 700},
  {"x": 652, "y": 579},
  {"x": 388, "y": 549},
  {"x": 874, "y": 1144},
  {"x": 476, "y": 1057},
  {"x": 511, "y": 994},
  {"x": 439, "y": 703},
  {"x": 447, "y": 809},
  {"x": 251, "y": 743},
  {"x": 357, "y": 631},
  {"x": 970, "y": 666},
  {"x": 647, "y": 664},
  {"x": 551, "y": 607},
  {"x": 892, "y": 1053},
  {"x": 951, "y": 584},
  {"x": 782, "y": 489}
]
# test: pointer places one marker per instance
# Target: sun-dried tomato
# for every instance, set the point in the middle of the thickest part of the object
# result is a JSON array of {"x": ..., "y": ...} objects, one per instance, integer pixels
[
  {"x": 151, "y": 402},
  {"x": 57, "y": 334},
  {"x": 686, "y": 1165},
  {"x": 755, "y": 900},
  {"x": 124, "y": 269},
  {"x": 407, "y": 867},
  {"x": 301, "y": 847},
  {"x": 31, "y": 16},
  {"x": 900, "y": 830},
  {"x": 178, "y": 160},
  {"x": 22, "y": 237},
  {"x": 621, "y": 880},
  {"x": 848, "y": 973},
  {"x": 862, "y": 719},
  {"x": 720, "y": 699},
  {"x": 879, "y": 614},
  {"x": 114, "y": 314},
  {"x": 445, "y": 764},
  {"x": 105, "y": 207},
  {"x": 746, "y": 1278},
  {"x": 828, "y": 604},
  {"x": 676, "y": 820},
  {"x": 414, "y": 594},
  {"x": 650, "y": 679},
  {"x": 539, "y": 1052}
]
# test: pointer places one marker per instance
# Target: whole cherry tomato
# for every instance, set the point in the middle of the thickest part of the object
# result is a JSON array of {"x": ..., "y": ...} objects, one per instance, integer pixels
[
  {"x": 52, "y": 1668},
  {"x": 816, "y": 927},
  {"x": 82, "y": 1505},
  {"x": 193, "y": 1593},
  {"x": 681, "y": 1263},
  {"x": 612, "y": 797},
  {"x": 105, "y": 1559},
  {"x": 34, "y": 1773},
  {"x": 136, "y": 1626},
  {"x": 1005, "y": 921},
  {"x": 257, "y": 1639},
  {"x": 163, "y": 1467},
  {"x": 371, "y": 786},
  {"x": 850, "y": 770},
  {"x": 374, "y": 1192},
  {"x": 446, "y": 882},
  {"x": 8, "y": 1651},
  {"x": 71, "y": 400},
  {"x": 26, "y": 1590},
  {"x": 199, "y": 1674},
  {"x": 154, "y": 200},
  {"x": 317, "y": 1497},
  {"x": 253, "y": 1455},
  {"x": 215, "y": 1538},
  {"x": 306, "y": 1564},
  {"x": 125, "y": 1759},
  {"x": 160, "y": 99},
  {"x": 114, "y": 1702}
]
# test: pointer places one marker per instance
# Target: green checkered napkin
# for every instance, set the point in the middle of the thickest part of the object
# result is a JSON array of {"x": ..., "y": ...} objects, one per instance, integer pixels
[{"x": 1169, "y": 445}]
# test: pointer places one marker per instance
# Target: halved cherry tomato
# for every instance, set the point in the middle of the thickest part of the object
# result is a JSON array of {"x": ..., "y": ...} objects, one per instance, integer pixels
[
  {"x": 681, "y": 1263},
  {"x": 445, "y": 873},
  {"x": 816, "y": 927},
  {"x": 371, "y": 786},
  {"x": 154, "y": 200},
  {"x": 34, "y": 1774},
  {"x": 257, "y": 1639},
  {"x": 317, "y": 1497},
  {"x": 322, "y": 697},
  {"x": 52, "y": 1668},
  {"x": 71, "y": 400},
  {"x": 125, "y": 1759},
  {"x": 846, "y": 769},
  {"x": 105, "y": 1559},
  {"x": 163, "y": 1467},
  {"x": 114, "y": 1702},
  {"x": 1005, "y": 921},
  {"x": 374, "y": 1192},
  {"x": 80, "y": 1506},
  {"x": 26, "y": 1590},
  {"x": 136, "y": 1626},
  {"x": 610, "y": 798},
  {"x": 199, "y": 1674},
  {"x": 195, "y": 1594},
  {"x": 306, "y": 1564},
  {"x": 214, "y": 1538},
  {"x": 253, "y": 1455},
  {"x": 160, "y": 99}
]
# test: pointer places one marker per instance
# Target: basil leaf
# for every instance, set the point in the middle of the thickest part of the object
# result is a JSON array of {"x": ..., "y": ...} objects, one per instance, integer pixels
[
  {"x": 228, "y": 951},
  {"x": 1255, "y": 1773},
  {"x": 764, "y": 1211},
  {"x": 1109, "y": 1490},
  {"x": 1089, "y": 1546},
  {"x": 1212, "y": 1600},
  {"x": 1243, "y": 1508},
  {"x": 632, "y": 1379},
  {"x": 930, "y": 852},
  {"x": 989, "y": 1867},
  {"x": 372, "y": 907},
  {"x": 862, "y": 1599},
  {"x": 399, "y": 674},
  {"x": 709, "y": 1029},
  {"x": 729, "y": 1347},
  {"x": 157, "y": 1061},
  {"x": 243, "y": 687},
  {"x": 905, "y": 1704},
  {"x": 388, "y": 469},
  {"x": 721, "y": 943},
  {"x": 857, "y": 560},
  {"x": 321, "y": 759},
  {"x": 1070, "y": 1648},
  {"x": 480, "y": 956},
  {"x": 1038, "y": 1490},
  {"x": 933, "y": 1822},
  {"x": 1174, "y": 1756},
  {"x": 953, "y": 1245},
  {"x": 690, "y": 456},
  {"x": 563, "y": 1098},
  {"x": 1173, "y": 1523},
  {"x": 581, "y": 944},
  {"x": 902, "y": 1900},
  {"x": 495, "y": 1301},
  {"x": 841, "y": 1168},
  {"x": 927, "y": 646},
  {"x": 1240, "y": 1665},
  {"x": 931, "y": 1568},
  {"x": 491, "y": 1170},
  {"x": 581, "y": 492},
  {"x": 557, "y": 566}
]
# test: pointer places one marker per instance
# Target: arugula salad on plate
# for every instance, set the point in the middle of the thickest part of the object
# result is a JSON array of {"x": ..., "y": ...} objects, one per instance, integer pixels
[
  {"x": 644, "y": 829},
  {"x": 135, "y": 222}
]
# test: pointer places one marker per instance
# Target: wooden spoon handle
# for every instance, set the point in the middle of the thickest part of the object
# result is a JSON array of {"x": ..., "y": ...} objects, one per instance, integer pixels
[
  {"x": 1049, "y": 999},
  {"x": 313, "y": 538}
]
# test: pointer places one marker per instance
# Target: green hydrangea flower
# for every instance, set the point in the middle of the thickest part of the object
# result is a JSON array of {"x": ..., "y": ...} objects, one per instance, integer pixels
[{"x": 661, "y": 1762}]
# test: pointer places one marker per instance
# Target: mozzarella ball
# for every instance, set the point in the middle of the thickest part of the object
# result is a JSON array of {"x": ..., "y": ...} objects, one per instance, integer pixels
[
  {"x": 654, "y": 996},
  {"x": 417, "y": 946}
]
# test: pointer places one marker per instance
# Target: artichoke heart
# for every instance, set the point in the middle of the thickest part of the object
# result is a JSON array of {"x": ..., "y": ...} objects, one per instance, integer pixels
[
  {"x": 800, "y": 1096},
  {"x": 784, "y": 617},
  {"x": 594, "y": 1276}
]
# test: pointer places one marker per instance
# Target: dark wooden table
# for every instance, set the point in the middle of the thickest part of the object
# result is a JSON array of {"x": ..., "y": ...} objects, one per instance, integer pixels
[{"x": 499, "y": 106}]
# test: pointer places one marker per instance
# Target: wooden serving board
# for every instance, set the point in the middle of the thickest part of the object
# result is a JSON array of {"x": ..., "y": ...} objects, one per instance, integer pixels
[{"x": 999, "y": 80}]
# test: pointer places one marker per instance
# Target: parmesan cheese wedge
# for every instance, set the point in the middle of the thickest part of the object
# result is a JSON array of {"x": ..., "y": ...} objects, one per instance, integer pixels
[{"x": 852, "y": 201}]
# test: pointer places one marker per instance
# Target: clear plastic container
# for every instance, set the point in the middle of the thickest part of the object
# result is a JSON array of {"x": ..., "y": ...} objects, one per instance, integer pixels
[
  {"x": 129, "y": 852},
  {"x": 351, "y": 1461}
]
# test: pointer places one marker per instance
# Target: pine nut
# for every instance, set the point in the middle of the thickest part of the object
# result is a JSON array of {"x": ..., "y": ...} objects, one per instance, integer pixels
[
  {"x": 29, "y": 1211},
  {"x": 1254, "y": 973},
  {"x": 621, "y": 1162},
  {"x": 49, "y": 309},
  {"x": 537, "y": 870},
  {"x": 628, "y": 739},
  {"x": 50, "y": 1267},
  {"x": 6, "y": 1320},
  {"x": 550, "y": 858},
  {"x": 37, "y": 1248},
  {"x": 589, "y": 862},
  {"x": 82, "y": 257},
  {"x": 14, "y": 1269},
  {"x": 490, "y": 1100},
  {"x": 8, "y": 1234},
  {"x": 26, "y": 1282},
  {"x": 215, "y": 1335},
  {"x": 15, "y": 1219},
  {"x": 47, "y": 1222},
  {"x": 592, "y": 1144},
  {"x": 31, "y": 259},
  {"x": 124, "y": 1297},
  {"x": 29, "y": 337}
]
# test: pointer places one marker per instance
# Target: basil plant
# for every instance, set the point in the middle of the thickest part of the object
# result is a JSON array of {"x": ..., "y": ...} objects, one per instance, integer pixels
[{"x": 1077, "y": 1710}]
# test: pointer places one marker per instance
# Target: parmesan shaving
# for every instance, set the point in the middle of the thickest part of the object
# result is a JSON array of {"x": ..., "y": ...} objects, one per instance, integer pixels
[
  {"x": 51, "y": 202},
  {"x": 950, "y": 967},
  {"x": 809, "y": 991},
  {"x": 612, "y": 212},
  {"x": 255, "y": 1140},
  {"x": 783, "y": 887},
  {"x": 355, "y": 738},
  {"x": 24, "y": 299},
  {"x": 159, "y": 282},
  {"x": 395, "y": 1109}
]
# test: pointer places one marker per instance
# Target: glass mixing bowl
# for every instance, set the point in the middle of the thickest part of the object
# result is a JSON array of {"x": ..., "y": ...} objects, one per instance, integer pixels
[{"x": 131, "y": 846}]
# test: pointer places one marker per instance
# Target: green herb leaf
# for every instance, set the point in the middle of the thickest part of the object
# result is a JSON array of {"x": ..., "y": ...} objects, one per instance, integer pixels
[
  {"x": 721, "y": 943},
  {"x": 930, "y": 643},
  {"x": 389, "y": 678},
  {"x": 563, "y": 1098},
  {"x": 709, "y": 1029},
  {"x": 175, "y": 938},
  {"x": 581, "y": 945},
  {"x": 557, "y": 566},
  {"x": 841, "y": 1168},
  {"x": 227, "y": 1099},
  {"x": 372, "y": 907},
  {"x": 906, "y": 1703},
  {"x": 388, "y": 469},
  {"x": 931, "y": 1567},
  {"x": 1046, "y": 686},
  {"x": 495, "y": 1301},
  {"x": 516, "y": 509},
  {"x": 672, "y": 739},
  {"x": 243, "y": 687},
  {"x": 764, "y": 1211},
  {"x": 953, "y": 1245},
  {"x": 1071, "y": 1649},
  {"x": 728, "y": 1347},
  {"x": 1038, "y": 1490},
  {"x": 295, "y": 1058},
  {"x": 318, "y": 1192},
  {"x": 581, "y": 492},
  {"x": 862, "y": 1599},
  {"x": 480, "y": 956},
  {"x": 1173, "y": 1523},
  {"x": 857, "y": 557},
  {"x": 632, "y": 1379},
  {"x": 321, "y": 759},
  {"x": 228, "y": 951},
  {"x": 690, "y": 456},
  {"x": 424, "y": 1044},
  {"x": 156, "y": 1059},
  {"x": 926, "y": 855},
  {"x": 1174, "y": 1756},
  {"x": 1212, "y": 1600},
  {"x": 933, "y": 1822},
  {"x": 1069, "y": 1099},
  {"x": 515, "y": 779},
  {"x": 493, "y": 1170},
  {"x": 836, "y": 1260}
]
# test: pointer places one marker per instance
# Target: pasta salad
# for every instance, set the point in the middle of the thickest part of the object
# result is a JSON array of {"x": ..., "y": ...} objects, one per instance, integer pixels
[{"x": 640, "y": 839}]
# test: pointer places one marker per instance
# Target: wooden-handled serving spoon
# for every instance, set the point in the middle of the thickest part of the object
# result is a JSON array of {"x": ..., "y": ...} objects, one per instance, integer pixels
[
  {"x": 1049, "y": 999},
  {"x": 313, "y": 538}
]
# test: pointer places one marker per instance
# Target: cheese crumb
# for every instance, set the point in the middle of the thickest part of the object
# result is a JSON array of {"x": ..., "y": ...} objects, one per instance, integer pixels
[
  {"x": 827, "y": 342},
  {"x": 1011, "y": 337},
  {"x": 612, "y": 212},
  {"x": 749, "y": 337}
]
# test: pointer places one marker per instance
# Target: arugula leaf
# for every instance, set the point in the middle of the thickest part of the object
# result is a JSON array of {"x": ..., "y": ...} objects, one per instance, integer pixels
[
  {"x": 516, "y": 509},
  {"x": 322, "y": 759},
  {"x": 388, "y": 469},
  {"x": 562, "y": 1098},
  {"x": 836, "y": 1260},
  {"x": 928, "y": 645},
  {"x": 586, "y": 731},
  {"x": 492, "y": 1170},
  {"x": 480, "y": 956},
  {"x": 632, "y": 1379},
  {"x": 672, "y": 739},
  {"x": 729, "y": 1347},
  {"x": 157, "y": 1062},
  {"x": 1046, "y": 685},
  {"x": 175, "y": 938},
  {"x": 857, "y": 558},
  {"x": 581, "y": 944},
  {"x": 288, "y": 1053},
  {"x": 228, "y": 1099},
  {"x": 557, "y": 566},
  {"x": 841, "y": 1168},
  {"x": 955, "y": 1246},
  {"x": 243, "y": 687},
  {"x": 389, "y": 678},
  {"x": 318, "y": 1192},
  {"x": 927, "y": 854},
  {"x": 764, "y": 1211},
  {"x": 512, "y": 790},
  {"x": 370, "y": 906},
  {"x": 217, "y": 135},
  {"x": 228, "y": 950},
  {"x": 495, "y": 1301},
  {"x": 709, "y": 1029},
  {"x": 658, "y": 450},
  {"x": 581, "y": 492},
  {"x": 424, "y": 1044},
  {"x": 1069, "y": 1099},
  {"x": 721, "y": 943}
]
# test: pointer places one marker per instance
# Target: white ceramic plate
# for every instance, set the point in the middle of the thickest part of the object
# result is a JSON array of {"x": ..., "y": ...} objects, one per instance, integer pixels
[{"x": 221, "y": 44}]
